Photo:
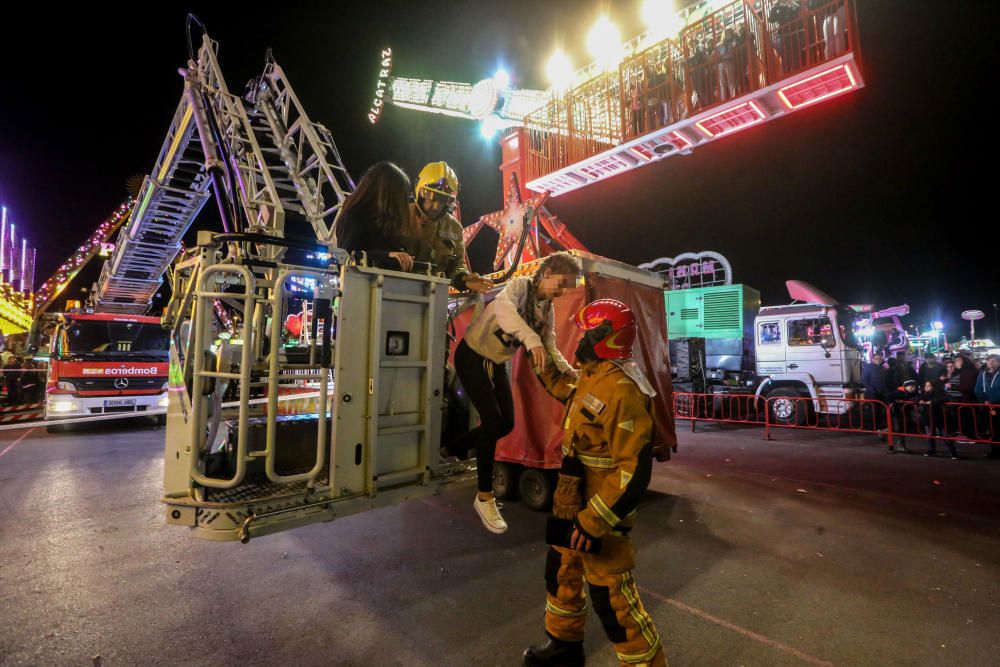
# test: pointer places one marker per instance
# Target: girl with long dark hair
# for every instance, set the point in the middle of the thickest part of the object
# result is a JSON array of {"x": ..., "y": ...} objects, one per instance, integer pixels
[{"x": 373, "y": 218}]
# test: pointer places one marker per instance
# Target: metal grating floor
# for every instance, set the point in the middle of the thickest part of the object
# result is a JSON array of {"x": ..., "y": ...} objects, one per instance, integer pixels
[{"x": 259, "y": 487}]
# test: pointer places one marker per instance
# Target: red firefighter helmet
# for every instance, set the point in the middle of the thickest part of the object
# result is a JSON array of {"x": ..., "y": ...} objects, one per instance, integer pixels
[{"x": 616, "y": 344}]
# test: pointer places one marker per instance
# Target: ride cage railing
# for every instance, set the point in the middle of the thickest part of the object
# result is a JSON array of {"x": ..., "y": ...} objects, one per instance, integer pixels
[{"x": 744, "y": 46}]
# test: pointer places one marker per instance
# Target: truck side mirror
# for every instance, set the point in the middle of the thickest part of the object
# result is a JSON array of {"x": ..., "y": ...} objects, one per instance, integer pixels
[{"x": 827, "y": 345}]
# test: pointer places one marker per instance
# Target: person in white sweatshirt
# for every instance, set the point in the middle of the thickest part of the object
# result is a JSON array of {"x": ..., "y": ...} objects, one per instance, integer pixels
[{"x": 520, "y": 315}]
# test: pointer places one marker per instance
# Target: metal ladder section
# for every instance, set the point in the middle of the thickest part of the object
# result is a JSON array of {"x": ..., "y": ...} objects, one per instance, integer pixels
[
  {"x": 210, "y": 141},
  {"x": 303, "y": 159}
]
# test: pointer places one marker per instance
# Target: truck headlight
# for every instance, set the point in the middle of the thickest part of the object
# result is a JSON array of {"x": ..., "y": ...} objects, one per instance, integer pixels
[
  {"x": 163, "y": 402},
  {"x": 63, "y": 406},
  {"x": 66, "y": 386}
]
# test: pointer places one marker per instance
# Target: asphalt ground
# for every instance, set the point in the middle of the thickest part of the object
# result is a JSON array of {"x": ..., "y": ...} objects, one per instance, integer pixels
[{"x": 811, "y": 549}]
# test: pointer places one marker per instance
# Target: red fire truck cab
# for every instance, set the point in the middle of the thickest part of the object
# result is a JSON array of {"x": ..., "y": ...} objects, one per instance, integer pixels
[{"x": 103, "y": 363}]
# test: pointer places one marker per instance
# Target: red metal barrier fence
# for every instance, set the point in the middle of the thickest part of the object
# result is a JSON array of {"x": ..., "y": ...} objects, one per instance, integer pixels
[{"x": 961, "y": 423}]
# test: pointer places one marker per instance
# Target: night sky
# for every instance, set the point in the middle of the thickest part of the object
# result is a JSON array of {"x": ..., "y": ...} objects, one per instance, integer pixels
[{"x": 882, "y": 196}]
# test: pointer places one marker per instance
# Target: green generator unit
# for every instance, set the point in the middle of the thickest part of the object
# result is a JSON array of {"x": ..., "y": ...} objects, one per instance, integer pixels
[{"x": 723, "y": 316}]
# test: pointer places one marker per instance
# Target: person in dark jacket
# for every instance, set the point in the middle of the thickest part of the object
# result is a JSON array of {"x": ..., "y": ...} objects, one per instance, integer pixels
[
  {"x": 963, "y": 384},
  {"x": 873, "y": 377},
  {"x": 904, "y": 369},
  {"x": 903, "y": 401},
  {"x": 930, "y": 370},
  {"x": 12, "y": 378},
  {"x": 988, "y": 392},
  {"x": 373, "y": 216},
  {"x": 893, "y": 378},
  {"x": 875, "y": 381},
  {"x": 932, "y": 400}
]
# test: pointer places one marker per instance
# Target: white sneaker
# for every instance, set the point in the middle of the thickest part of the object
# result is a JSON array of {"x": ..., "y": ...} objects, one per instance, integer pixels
[{"x": 489, "y": 514}]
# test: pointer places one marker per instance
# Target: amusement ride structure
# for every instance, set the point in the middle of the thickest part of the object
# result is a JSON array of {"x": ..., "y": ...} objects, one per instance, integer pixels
[{"x": 696, "y": 76}]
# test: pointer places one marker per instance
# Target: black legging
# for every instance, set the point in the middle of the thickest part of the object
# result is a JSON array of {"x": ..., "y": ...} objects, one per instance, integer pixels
[{"x": 488, "y": 387}]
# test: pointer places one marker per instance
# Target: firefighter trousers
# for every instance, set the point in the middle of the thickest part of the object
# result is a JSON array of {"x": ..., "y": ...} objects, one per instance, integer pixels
[{"x": 613, "y": 592}]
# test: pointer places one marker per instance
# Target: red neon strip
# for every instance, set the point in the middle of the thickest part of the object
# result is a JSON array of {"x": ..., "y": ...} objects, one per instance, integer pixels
[
  {"x": 639, "y": 153},
  {"x": 678, "y": 136},
  {"x": 712, "y": 135},
  {"x": 820, "y": 98}
]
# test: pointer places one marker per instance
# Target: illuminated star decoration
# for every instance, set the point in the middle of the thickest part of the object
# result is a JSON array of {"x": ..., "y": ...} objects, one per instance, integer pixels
[{"x": 509, "y": 224}]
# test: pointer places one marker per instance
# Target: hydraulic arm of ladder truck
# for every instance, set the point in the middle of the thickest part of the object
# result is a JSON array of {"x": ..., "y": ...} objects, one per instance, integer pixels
[{"x": 267, "y": 429}]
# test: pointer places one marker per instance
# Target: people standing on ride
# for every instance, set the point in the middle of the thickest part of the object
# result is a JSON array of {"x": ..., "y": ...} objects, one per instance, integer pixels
[
  {"x": 435, "y": 236},
  {"x": 787, "y": 34},
  {"x": 520, "y": 315},
  {"x": 725, "y": 55},
  {"x": 932, "y": 400},
  {"x": 988, "y": 391},
  {"x": 373, "y": 216}
]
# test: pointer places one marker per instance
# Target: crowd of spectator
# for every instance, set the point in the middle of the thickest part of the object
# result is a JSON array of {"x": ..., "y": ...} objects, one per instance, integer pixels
[
  {"x": 956, "y": 399},
  {"x": 22, "y": 381}
]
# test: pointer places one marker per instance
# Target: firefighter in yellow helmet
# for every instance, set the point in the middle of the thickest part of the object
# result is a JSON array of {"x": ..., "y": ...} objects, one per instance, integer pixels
[
  {"x": 437, "y": 235},
  {"x": 607, "y": 463}
]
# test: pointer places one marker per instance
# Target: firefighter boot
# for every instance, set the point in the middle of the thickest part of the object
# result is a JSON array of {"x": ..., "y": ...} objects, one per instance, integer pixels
[{"x": 555, "y": 653}]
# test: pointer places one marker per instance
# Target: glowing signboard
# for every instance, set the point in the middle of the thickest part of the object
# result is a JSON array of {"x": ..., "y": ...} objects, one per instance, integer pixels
[{"x": 378, "y": 103}]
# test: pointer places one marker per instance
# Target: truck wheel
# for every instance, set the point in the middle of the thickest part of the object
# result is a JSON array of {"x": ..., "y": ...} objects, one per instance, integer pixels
[
  {"x": 536, "y": 489},
  {"x": 504, "y": 480},
  {"x": 786, "y": 407}
]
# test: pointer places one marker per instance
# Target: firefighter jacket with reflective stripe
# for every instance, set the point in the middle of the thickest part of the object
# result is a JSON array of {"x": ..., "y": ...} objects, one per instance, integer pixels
[
  {"x": 608, "y": 428},
  {"x": 439, "y": 241},
  {"x": 503, "y": 324}
]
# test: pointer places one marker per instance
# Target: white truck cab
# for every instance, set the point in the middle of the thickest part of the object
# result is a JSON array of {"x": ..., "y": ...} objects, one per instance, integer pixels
[{"x": 807, "y": 350}]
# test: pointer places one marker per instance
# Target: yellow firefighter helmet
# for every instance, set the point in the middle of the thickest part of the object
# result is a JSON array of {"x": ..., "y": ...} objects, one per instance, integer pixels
[
  {"x": 438, "y": 177},
  {"x": 437, "y": 190}
]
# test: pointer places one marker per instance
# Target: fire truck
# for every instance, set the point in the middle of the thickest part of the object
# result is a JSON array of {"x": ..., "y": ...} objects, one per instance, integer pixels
[{"x": 106, "y": 363}]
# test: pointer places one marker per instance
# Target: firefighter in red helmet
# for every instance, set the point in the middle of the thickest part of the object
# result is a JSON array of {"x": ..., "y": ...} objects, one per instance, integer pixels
[{"x": 607, "y": 462}]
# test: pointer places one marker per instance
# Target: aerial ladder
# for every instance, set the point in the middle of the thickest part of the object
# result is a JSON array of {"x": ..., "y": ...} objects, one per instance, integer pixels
[{"x": 235, "y": 466}]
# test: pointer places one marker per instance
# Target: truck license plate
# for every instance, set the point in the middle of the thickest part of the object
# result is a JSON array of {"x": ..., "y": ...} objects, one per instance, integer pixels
[{"x": 120, "y": 403}]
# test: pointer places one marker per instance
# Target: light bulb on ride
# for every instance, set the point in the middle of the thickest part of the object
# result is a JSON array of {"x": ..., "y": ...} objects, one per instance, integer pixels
[
  {"x": 559, "y": 71},
  {"x": 661, "y": 18},
  {"x": 489, "y": 127},
  {"x": 604, "y": 43},
  {"x": 502, "y": 79}
]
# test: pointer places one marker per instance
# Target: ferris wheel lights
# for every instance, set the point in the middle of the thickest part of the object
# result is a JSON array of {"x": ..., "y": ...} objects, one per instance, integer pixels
[
  {"x": 604, "y": 43},
  {"x": 502, "y": 79},
  {"x": 559, "y": 70}
]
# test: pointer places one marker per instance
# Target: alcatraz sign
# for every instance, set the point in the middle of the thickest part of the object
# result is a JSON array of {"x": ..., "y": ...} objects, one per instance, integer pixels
[{"x": 375, "y": 112}]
